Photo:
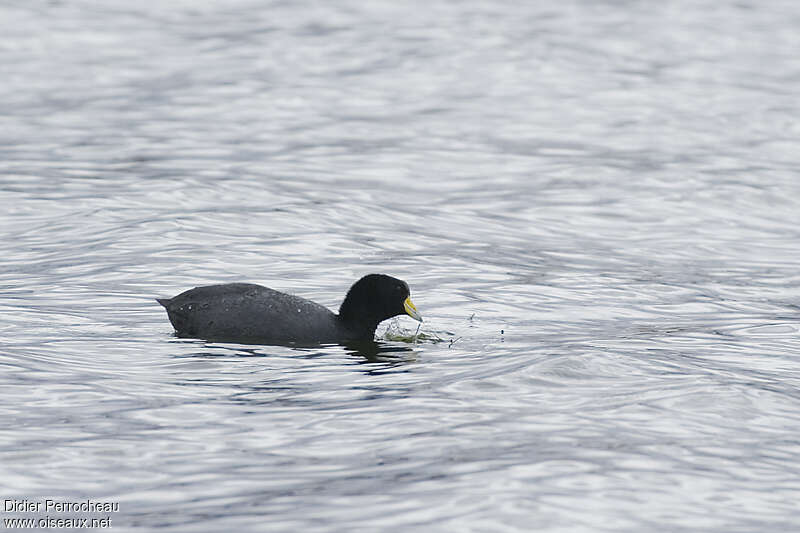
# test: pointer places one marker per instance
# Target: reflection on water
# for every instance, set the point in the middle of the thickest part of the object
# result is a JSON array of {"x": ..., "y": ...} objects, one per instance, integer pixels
[
  {"x": 595, "y": 206},
  {"x": 385, "y": 354},
  {"x": 390, "y": 354}
]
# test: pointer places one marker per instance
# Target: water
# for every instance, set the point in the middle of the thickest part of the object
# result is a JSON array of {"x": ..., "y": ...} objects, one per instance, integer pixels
[{"x": 596, "y": 205}]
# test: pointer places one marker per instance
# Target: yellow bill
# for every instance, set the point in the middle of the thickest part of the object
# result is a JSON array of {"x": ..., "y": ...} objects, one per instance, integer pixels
[{"x": 408, "y": 305}]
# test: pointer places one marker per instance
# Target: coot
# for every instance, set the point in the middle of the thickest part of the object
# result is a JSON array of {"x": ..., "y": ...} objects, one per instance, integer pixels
[{"x": 252, "y": 313}]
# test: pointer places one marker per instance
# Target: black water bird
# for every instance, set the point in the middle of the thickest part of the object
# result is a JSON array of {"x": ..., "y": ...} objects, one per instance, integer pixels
[{"x": 251, "y": 313}]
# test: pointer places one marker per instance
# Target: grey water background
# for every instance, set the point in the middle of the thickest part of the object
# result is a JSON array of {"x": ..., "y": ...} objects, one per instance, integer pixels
[{"x": 596, "y": 206}]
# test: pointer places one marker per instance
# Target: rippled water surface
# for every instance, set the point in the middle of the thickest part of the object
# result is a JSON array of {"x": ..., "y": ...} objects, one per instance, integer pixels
[{"x": 596, "y": 205}]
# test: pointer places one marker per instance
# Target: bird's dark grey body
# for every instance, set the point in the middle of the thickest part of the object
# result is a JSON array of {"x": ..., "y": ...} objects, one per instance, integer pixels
[{"x": 248, "y": 312}]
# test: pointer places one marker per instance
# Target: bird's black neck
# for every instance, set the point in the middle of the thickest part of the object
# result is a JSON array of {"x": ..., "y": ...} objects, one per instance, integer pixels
[{"x": 362, "y": 330}]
